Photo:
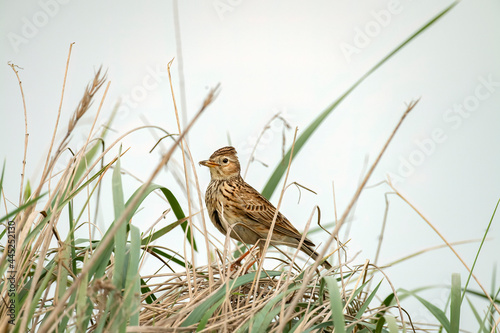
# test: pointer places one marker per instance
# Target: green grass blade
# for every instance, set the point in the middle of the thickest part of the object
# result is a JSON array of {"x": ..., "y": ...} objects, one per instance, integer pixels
[
  {"x": 62, "y": 285},
  {"x": 321, "y": 291},
  {"x": 481, "y": 327},
  {"x": 82, "y": 306},
  {"x": 479, "y": 250},
  {"x": 121, "y": 234},
  {"x": 379, "y": 317},
  {"x": 151, "y": 238},
  {"x": 492, "y": 311},
  {"x": 336, "y": 304},
  {"x": 176, "y": 207},
  {"x": 318, "y": 327},
  {"x": 38, "y": 294},
  {"x": 278, "y": 173},
  {"x": 436, "y": 312},
  {"x": 71, "y": 237},
  {"x": 146, "y": 290},
  {"x": 86, "y": 161},
  {"x": 21, "y": 208},
  {"x": 174, "y": 204},
  {"x": 391, "y": 323},
  {"x": 1, "y": 177},
  {"x": 456, "y": 301},
  {"x": 27, "y": 191},
  {"x": 100, "y": 267},
  {"x": 208, "y": 314},
  {"x": 267, "y": 320},
  {"x": 264, "y": 317},
  {"x": 23, "y": 293},
  {"x": 480, "y": 294},
  {"x": 365, "y": 305},
  {"x": 115, "y": 301},
  {"x": 132, "y": 282},
  {"x": 170, "y": 257},
  {"x": 117, "y": 187},
  {"x": 64, "y": 320},
  {"x": 297, "y": 324}
]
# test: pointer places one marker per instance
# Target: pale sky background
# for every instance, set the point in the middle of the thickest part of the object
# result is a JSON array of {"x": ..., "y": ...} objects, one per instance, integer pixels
[{"x": 288, "y": 57}]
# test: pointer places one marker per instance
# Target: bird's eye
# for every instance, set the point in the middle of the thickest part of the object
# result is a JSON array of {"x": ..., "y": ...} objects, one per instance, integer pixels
[{"x": 225, "y": 160}]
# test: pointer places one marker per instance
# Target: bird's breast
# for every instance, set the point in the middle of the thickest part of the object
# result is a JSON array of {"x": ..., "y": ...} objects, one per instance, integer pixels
[{"x": 221, "y": 196}]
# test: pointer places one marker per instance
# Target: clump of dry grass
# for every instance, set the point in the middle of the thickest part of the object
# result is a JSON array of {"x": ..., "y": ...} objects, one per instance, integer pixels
[{"x": 252, "y": 301}]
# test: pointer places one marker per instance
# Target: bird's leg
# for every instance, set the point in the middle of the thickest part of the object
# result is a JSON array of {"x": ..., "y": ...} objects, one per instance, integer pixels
[
  {"x": 260, "y": 256},
  {"x": 237, "y": 262}
]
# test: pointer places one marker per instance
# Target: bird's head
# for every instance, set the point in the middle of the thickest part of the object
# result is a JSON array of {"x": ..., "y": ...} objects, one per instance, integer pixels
[{"x": 223, "y": 164}]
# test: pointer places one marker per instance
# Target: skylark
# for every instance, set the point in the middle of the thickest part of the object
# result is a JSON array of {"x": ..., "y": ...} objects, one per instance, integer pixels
[{"x": 232, "y": 203}]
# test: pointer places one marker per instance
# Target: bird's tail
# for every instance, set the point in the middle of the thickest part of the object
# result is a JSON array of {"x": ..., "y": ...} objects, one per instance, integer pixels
[{"x": 313, "y": 254}]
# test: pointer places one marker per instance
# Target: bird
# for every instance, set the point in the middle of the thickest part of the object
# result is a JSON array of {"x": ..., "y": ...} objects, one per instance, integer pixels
[{"x": 233, "y": 203}]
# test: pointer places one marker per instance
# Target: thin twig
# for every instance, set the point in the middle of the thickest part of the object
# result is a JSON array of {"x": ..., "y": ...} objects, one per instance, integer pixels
[{"x": 267, "y": 126}]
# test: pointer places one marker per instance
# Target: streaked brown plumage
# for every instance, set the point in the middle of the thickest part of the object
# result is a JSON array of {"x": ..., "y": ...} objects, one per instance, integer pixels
[{"x": 231, "y": 201}]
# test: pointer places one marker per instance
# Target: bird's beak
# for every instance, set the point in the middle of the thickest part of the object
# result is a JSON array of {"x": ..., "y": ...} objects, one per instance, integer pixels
[{"x": 209, "y": 163}]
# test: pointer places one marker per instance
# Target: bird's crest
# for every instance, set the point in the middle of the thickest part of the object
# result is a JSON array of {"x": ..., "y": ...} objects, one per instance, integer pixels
[{"x": 224, "y": 151}]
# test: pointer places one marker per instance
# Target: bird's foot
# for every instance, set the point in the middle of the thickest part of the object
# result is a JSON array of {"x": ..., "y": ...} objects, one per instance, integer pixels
[{"x": 237, "y": 263}]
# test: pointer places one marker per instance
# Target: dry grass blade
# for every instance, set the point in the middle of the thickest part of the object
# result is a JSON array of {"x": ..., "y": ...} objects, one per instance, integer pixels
[
  {"x": 186, "y": 172},
  {"x": 48, "y": 162},
  {"x": 26, "y": 134}
]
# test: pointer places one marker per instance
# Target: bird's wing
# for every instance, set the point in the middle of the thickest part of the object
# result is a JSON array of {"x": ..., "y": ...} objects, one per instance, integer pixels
[{"x": 260, "y": 210}]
